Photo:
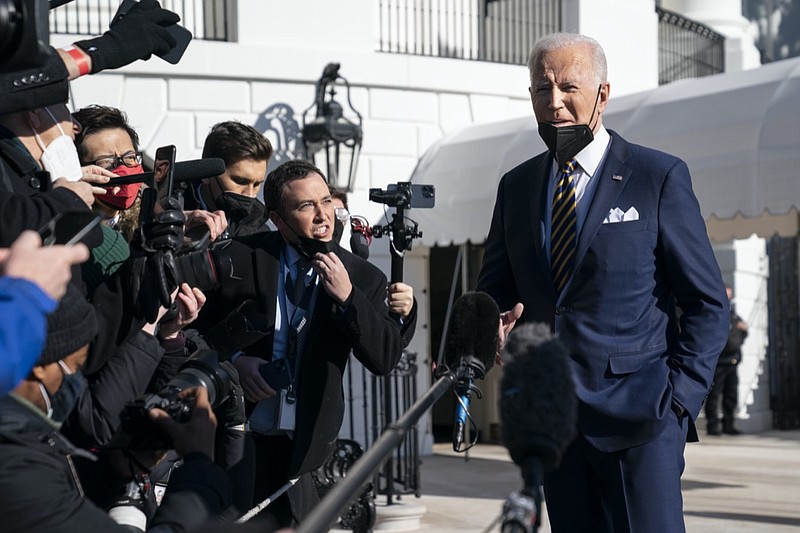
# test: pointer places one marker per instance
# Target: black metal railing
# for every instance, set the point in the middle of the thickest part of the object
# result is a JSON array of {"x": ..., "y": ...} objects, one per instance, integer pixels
[
  {"x": 372, "y": 403},
  {"x": 210, "y": 20},
  {"x": 501, "y": 31},
  {"x": 687, "y": 49}
]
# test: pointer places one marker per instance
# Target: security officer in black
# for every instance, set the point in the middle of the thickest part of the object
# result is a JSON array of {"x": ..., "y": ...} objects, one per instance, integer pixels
[{"x": 726, "y": 379}]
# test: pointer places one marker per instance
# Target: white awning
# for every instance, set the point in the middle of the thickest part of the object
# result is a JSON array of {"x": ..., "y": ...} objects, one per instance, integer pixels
[{"x": 739, "y": 133}]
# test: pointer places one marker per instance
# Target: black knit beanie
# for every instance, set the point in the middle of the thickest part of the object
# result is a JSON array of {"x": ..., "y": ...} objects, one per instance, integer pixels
[{"x": 71, "y": 326}]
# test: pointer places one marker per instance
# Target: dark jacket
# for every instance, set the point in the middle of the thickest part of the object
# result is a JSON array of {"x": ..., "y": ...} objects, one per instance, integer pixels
[
  {"x": 27, "y": 200},
  {"x": 122, "y": 379},
  {"x": 42, "y": 493},
  {"x": 732, "y": 352},
  {"x": 364, "y": 327}
]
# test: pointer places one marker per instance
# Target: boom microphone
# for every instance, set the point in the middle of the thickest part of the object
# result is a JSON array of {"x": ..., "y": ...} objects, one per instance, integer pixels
[
  {"x": 471, "y": 346},
  {"x": 192, "y": 170},
  {"x": 538, "y": 405}
]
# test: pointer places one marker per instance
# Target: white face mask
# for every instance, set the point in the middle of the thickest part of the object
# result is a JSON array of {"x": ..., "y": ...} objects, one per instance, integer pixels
[{"x": 60, "y": 157}]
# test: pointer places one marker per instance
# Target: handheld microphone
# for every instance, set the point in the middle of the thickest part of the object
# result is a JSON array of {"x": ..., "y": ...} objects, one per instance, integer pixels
[
  {"x": 471, "y": 346},
  {"x": 360, "y": 236},
  {"x": 192, "y": 170},
  {"x": 538, "y": 405}
]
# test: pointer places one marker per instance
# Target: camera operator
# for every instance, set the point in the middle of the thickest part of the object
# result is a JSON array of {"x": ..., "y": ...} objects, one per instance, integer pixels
[
  {"x": 32, "y": 280},
  {"x": 41, "y": 491},
  {"x": 246, "y": 153},
  {"x": 320, "y": 302}
]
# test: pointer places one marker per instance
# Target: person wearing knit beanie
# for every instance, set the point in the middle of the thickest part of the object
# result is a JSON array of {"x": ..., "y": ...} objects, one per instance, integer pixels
[{"x": 72, "y": 326}]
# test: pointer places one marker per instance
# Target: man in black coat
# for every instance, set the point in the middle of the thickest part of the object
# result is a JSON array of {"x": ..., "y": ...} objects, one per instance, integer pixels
[
  {"x": 726, "y": 379},
  {"x": 339, "y": 306}
]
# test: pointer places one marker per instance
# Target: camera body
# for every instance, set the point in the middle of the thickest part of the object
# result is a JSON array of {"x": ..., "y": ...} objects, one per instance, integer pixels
[
  {"x": 24, "y": 34},
  {"x": 405, "y": 194},
  {"x": 201, "y": 369}
]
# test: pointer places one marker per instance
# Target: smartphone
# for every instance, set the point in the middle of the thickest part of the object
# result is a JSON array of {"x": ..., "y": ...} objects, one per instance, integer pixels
[
  {"x": 181, "y": 35},
  {"x": 276, "y": 374},
  {"x": 68, "y": 228},
  {"x": 163, "y": 173}
]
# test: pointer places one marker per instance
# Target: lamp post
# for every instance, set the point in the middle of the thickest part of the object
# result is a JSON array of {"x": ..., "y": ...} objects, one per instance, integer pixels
[{"x": 331, "y": 132}]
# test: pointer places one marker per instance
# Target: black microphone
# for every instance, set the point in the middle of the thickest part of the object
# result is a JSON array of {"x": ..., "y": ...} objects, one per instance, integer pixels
[
  {"x": 192, "y": 170},
  {"x": 538, "y": 405},
  {"x": 471, "y": 346}
]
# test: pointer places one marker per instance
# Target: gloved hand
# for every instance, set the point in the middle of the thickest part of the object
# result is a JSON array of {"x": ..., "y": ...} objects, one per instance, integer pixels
[
  {"x": 138, "y": 34},
  {"x": 164, "y": 232},
  {"x": 152, "y": 283},
  {"x": 229, "y": 445}
]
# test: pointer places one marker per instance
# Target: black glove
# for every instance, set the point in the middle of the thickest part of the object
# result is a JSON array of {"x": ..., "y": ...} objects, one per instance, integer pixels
[
  {"x": 231, "y": 417},
  {"x": 164, "y": 232},
  {"x": 138, "y": 34},
  {"x": 152, "y": 284}
]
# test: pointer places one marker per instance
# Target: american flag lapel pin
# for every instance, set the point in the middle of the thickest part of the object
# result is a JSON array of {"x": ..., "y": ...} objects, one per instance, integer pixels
[{"x": 616, "y": 177}]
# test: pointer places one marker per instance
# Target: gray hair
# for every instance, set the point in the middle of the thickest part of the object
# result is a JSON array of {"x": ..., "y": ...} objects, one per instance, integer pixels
[{"x": 556, "y": 41}]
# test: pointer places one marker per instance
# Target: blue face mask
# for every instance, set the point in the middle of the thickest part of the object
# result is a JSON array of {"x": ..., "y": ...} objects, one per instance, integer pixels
[{"x": 63, "y": 401}]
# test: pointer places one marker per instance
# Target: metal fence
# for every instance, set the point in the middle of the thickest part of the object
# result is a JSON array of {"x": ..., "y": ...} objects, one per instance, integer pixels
[
  {"x": 210, "y": 20},
  {"x": 784, "y": 341},
  {"x": 687, "y": 49},
  {"x": 501, "y": 31}
]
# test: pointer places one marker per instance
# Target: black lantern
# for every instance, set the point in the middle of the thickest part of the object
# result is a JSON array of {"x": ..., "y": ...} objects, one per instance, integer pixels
[{"x": 330, "y": 131}]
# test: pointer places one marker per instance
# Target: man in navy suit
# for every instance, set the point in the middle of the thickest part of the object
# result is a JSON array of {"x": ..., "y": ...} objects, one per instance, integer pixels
[{"x": 620, "y": 266}]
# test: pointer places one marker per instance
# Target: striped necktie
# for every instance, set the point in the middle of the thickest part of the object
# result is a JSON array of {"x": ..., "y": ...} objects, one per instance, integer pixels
[{"x": 563, "y": 229}]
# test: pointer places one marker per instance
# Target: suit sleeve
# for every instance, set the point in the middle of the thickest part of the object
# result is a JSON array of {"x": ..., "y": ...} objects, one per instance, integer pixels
[
  {"x": 496, "y": 278},
  {"x": 375, "y": 337},
  {"x": 698, "y": 289}
]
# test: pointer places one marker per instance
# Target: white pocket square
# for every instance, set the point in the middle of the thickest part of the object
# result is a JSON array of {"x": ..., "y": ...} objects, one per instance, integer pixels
[{"x": 618, "y": 215}]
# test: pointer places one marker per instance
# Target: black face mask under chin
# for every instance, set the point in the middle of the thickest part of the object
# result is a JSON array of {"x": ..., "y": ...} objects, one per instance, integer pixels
[
  {"x": 311, "y": 247},
  {"x": 567, "y": 141},
  {"x": 308, "y": 247}
]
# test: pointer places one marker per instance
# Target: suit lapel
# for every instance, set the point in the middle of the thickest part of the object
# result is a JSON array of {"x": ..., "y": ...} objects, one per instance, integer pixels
[
  {"x": 609, "y": 187},
  {"x": 540, "y": 175}
]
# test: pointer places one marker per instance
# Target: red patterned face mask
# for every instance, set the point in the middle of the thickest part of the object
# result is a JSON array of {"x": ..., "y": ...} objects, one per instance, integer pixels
[{"x": 125, "y": 195}]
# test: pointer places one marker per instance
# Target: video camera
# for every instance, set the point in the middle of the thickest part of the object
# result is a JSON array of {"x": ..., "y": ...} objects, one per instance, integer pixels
[
  {"x": 201, "y": 369},
  {"x": 167, "y": 259}
]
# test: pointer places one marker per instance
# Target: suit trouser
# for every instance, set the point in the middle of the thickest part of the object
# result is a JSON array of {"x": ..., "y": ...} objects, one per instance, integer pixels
[
  {"x": 272, "y": 459},
  {"x": 636, "y": 490},
  {"x": 726, "y": 384}
]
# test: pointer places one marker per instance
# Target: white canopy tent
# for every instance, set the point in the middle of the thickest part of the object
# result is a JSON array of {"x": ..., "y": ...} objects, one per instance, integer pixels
[{"x": 739, "y": 133}]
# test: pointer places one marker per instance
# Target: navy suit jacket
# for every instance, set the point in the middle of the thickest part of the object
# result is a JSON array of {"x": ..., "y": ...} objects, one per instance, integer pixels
[{"x": 632, "y": 352}]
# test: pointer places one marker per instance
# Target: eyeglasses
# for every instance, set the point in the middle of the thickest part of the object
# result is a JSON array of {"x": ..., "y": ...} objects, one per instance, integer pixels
[{"x": 131, "y": 159}]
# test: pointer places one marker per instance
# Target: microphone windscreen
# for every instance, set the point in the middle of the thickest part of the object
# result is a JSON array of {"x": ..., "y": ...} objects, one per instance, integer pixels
[
  {"x": 358, "y": 245},
  {"x": 538, "y": 405},
  {"x": 196, "y": 169},
  {"x": 473, "y": 329}
]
